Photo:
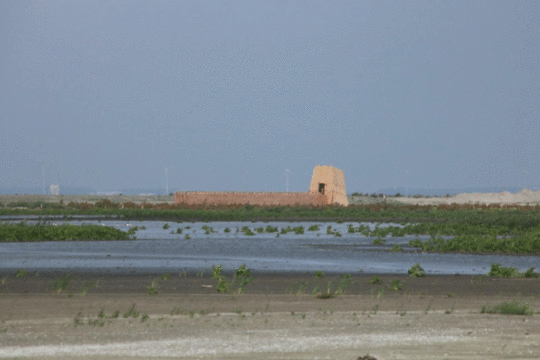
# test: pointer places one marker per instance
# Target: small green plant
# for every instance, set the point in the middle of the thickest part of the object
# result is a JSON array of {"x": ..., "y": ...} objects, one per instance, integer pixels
[
  {"x": 451, "y": 311},
  {"x": 379, "y": 241},
  {"x": 271, "y": 229},
  {"x": 179, "y": 230},
  {"x": 451, "y": 294},
  {"x": 302, "y": 288},
  {"x": 177, "y": 310},
  {"x": 61, "y": 283},
  {"x": 508, "y": 308},
  {"x": 144, "y": 317},
  {"x": 227, "y": 230},
  {"x": 375, "y": 280},
  {"x": 101, "y": 314},
  {"x": 242, "y": 277},
  {"x": 132, "y": 312},
  {"x": 21, "y": 273},
  {"x": 346, "y": 281},
  {"x": 87, "y": 286},
  {"x": 427, "y": 309},
  {"x": 285, "y": 230},
  {"x": 78, "y": 319},
  {"x": 259, "y": 230},
  {"x": 165, "y": 277},
  {"x": 298, "y": 230},
  {"x": 166, "y": 226},
  {"x": 395, "y": 285},
  {"x": 396, "y": 248},
  {"x": 247, "y": 231},
  {"x": 319, "y": 274},
  {"x": 313, "y": 228},
  {"x": 152, "y": 289},
  {"x": 187, "y": 237},
  {"x": 115, "y": 314},
  {"x": 416, "y": 271},
  {"x": 329, "y": 230},
  {"x": 328, "y": 294}
]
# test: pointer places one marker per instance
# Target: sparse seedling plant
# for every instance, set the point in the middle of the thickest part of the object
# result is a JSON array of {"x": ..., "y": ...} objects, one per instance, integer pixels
[
  {"x": 313, "y": 228},
  {"x": 375, "y": 280},
  {"x": 87, "y": 286},
  {"x": 152, "y": 289},
  {"x": 132, "y": 312},
  {"x": 61, "y": 283},
  {"x": 21, "y": 273},
  {"x": 319, "y": 274},
  {"x": 395, "y": 285},
  {"x": 166, "y": 226},
  {"x": 165, "y": 277}
]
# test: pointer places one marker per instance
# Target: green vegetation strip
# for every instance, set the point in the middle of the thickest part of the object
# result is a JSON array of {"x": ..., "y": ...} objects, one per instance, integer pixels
[
  {"x": 23, "y": 232},
  {"x": 451, "y": 228}
]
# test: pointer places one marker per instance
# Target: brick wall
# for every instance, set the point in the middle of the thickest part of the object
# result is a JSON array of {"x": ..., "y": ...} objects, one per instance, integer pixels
[{"x": 252, "y": 198}]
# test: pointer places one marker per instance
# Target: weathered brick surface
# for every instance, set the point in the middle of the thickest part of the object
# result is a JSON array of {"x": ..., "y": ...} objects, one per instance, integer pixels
[
  {"x": 252, "y": 198},
  {"x": 334, "y": 193},
  {"x": 334, "y": 184}
]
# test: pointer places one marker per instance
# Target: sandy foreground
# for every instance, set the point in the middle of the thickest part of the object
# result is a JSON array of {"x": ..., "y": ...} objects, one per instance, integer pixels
[{"x": 430, "y": 318}]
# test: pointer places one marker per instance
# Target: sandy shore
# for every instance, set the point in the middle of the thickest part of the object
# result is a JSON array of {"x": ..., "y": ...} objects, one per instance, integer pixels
[{"x": 276, "y": 318}]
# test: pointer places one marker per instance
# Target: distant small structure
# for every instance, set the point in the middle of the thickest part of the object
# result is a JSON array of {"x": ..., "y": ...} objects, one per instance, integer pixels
[
  {"x": 329, "y": 181},
  {"x": 54, "y": 189},
  {"x": 327, "y": 188}
]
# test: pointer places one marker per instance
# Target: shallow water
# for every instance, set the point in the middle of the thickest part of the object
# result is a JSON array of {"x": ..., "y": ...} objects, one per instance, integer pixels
[{"x": 156, "y": 250}]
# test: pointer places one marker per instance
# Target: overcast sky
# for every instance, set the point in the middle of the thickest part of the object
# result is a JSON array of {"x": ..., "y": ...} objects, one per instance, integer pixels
[{"x": 229, "y": 94}]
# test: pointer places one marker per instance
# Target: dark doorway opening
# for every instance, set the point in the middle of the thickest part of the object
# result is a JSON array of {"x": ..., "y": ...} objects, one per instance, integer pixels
[{"x": 321, "y": 188}]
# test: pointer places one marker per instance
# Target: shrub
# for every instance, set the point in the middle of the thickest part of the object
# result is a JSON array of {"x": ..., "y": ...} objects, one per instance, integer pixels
[
  {"x": 499, "y": 271},
  {"x": 416, "y": 271},
  {"x": 508, "y": 308}
]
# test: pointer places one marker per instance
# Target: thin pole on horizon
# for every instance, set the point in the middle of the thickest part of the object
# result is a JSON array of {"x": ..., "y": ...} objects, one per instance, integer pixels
[
  {"x": 166, "y": 182},
  {"x": 406, "y": 183}
]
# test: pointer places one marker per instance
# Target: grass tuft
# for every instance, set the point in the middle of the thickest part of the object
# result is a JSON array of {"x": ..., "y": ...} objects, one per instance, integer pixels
[{"x": 508, "y": 308}]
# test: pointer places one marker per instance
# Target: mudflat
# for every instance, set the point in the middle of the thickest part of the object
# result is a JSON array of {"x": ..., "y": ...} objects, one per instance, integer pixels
[{"x": 277, "y": 317}]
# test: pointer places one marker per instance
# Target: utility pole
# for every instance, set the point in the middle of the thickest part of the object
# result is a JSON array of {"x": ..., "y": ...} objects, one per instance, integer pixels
[{"x": 166, "y": 181}]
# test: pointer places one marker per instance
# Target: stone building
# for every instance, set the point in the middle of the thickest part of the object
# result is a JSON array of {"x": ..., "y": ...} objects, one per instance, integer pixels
[
  {"x": 327, "y": 188},
  {"x": 329, "y": 181}
]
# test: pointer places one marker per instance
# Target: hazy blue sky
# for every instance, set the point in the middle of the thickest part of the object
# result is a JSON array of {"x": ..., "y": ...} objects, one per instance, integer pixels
[{"x": 229, "y": 94}]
